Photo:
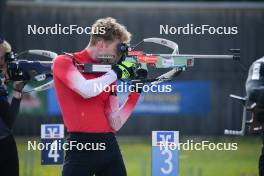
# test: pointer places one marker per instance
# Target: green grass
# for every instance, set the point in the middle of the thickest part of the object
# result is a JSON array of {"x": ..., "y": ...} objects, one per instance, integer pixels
[{"x": 137, "y": 156}]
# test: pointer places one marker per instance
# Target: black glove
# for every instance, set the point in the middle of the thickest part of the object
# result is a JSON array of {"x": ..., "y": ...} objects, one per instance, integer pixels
[{"x": 125, "y": 70}]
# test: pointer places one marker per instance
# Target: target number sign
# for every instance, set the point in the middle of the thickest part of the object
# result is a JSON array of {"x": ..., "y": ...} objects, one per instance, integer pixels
[{"x": 165, "y": 153}]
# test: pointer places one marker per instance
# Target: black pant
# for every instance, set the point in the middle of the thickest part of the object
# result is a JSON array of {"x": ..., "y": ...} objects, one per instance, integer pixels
[
  {"x": 99, "y": 162},
  {"x": 8, "y": 157}
]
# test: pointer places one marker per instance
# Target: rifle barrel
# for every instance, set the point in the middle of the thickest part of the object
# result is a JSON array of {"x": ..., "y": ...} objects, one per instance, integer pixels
[
  {"x": 46, "y": 62},
  {"x": 195, "y": 56}
]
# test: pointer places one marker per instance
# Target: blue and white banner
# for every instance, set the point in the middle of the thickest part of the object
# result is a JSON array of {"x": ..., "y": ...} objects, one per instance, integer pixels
[
  {"x": 52, "y": 103},
  {"x": 189, "y": 98}
]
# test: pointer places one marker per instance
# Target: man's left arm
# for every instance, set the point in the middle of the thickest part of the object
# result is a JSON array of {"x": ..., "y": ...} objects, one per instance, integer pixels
[{"x": 117, "y": 116}]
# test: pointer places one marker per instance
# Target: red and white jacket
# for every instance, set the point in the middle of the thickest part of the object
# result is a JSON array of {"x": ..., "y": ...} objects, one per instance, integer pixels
[{"x": 84, "y": 108}]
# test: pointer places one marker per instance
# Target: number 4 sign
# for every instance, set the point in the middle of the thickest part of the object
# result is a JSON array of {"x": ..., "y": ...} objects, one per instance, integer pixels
[
  {"x": 53, "y": 153},
  {"x": 52, "y": 137},
  {"x": 165, "y": 153}
]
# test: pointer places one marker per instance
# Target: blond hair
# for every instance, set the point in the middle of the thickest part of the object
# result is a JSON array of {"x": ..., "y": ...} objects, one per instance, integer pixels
[{"x": 112, "y": 31}]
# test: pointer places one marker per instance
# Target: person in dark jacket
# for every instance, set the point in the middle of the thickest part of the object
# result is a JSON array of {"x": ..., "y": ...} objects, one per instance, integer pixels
[{"x": 9, "y": 164}]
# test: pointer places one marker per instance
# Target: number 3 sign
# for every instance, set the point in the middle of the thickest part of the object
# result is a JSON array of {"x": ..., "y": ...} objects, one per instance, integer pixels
[{"x": 165, "y": 153}]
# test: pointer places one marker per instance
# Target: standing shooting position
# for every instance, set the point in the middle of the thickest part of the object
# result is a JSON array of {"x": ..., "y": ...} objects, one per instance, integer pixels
[
  {"x": 93, "y": 116},
  {"x": 8, "y": 113}
]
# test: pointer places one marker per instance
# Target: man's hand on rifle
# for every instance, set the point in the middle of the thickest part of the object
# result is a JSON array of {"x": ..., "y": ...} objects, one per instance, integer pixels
[{"x": 125, "y": 70}]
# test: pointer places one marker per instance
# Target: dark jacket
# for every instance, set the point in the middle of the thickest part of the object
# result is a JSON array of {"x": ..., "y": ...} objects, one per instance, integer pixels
[
  {"x": 8, "y": 114},
  {"x": 255, "y": 82}
]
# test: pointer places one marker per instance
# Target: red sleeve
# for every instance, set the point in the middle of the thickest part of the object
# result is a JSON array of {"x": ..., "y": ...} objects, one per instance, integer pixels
[
  {"x": 61, "y": 66},
  {"x": 64, "y": 70},
  {"x": 118, "y": 116}
]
